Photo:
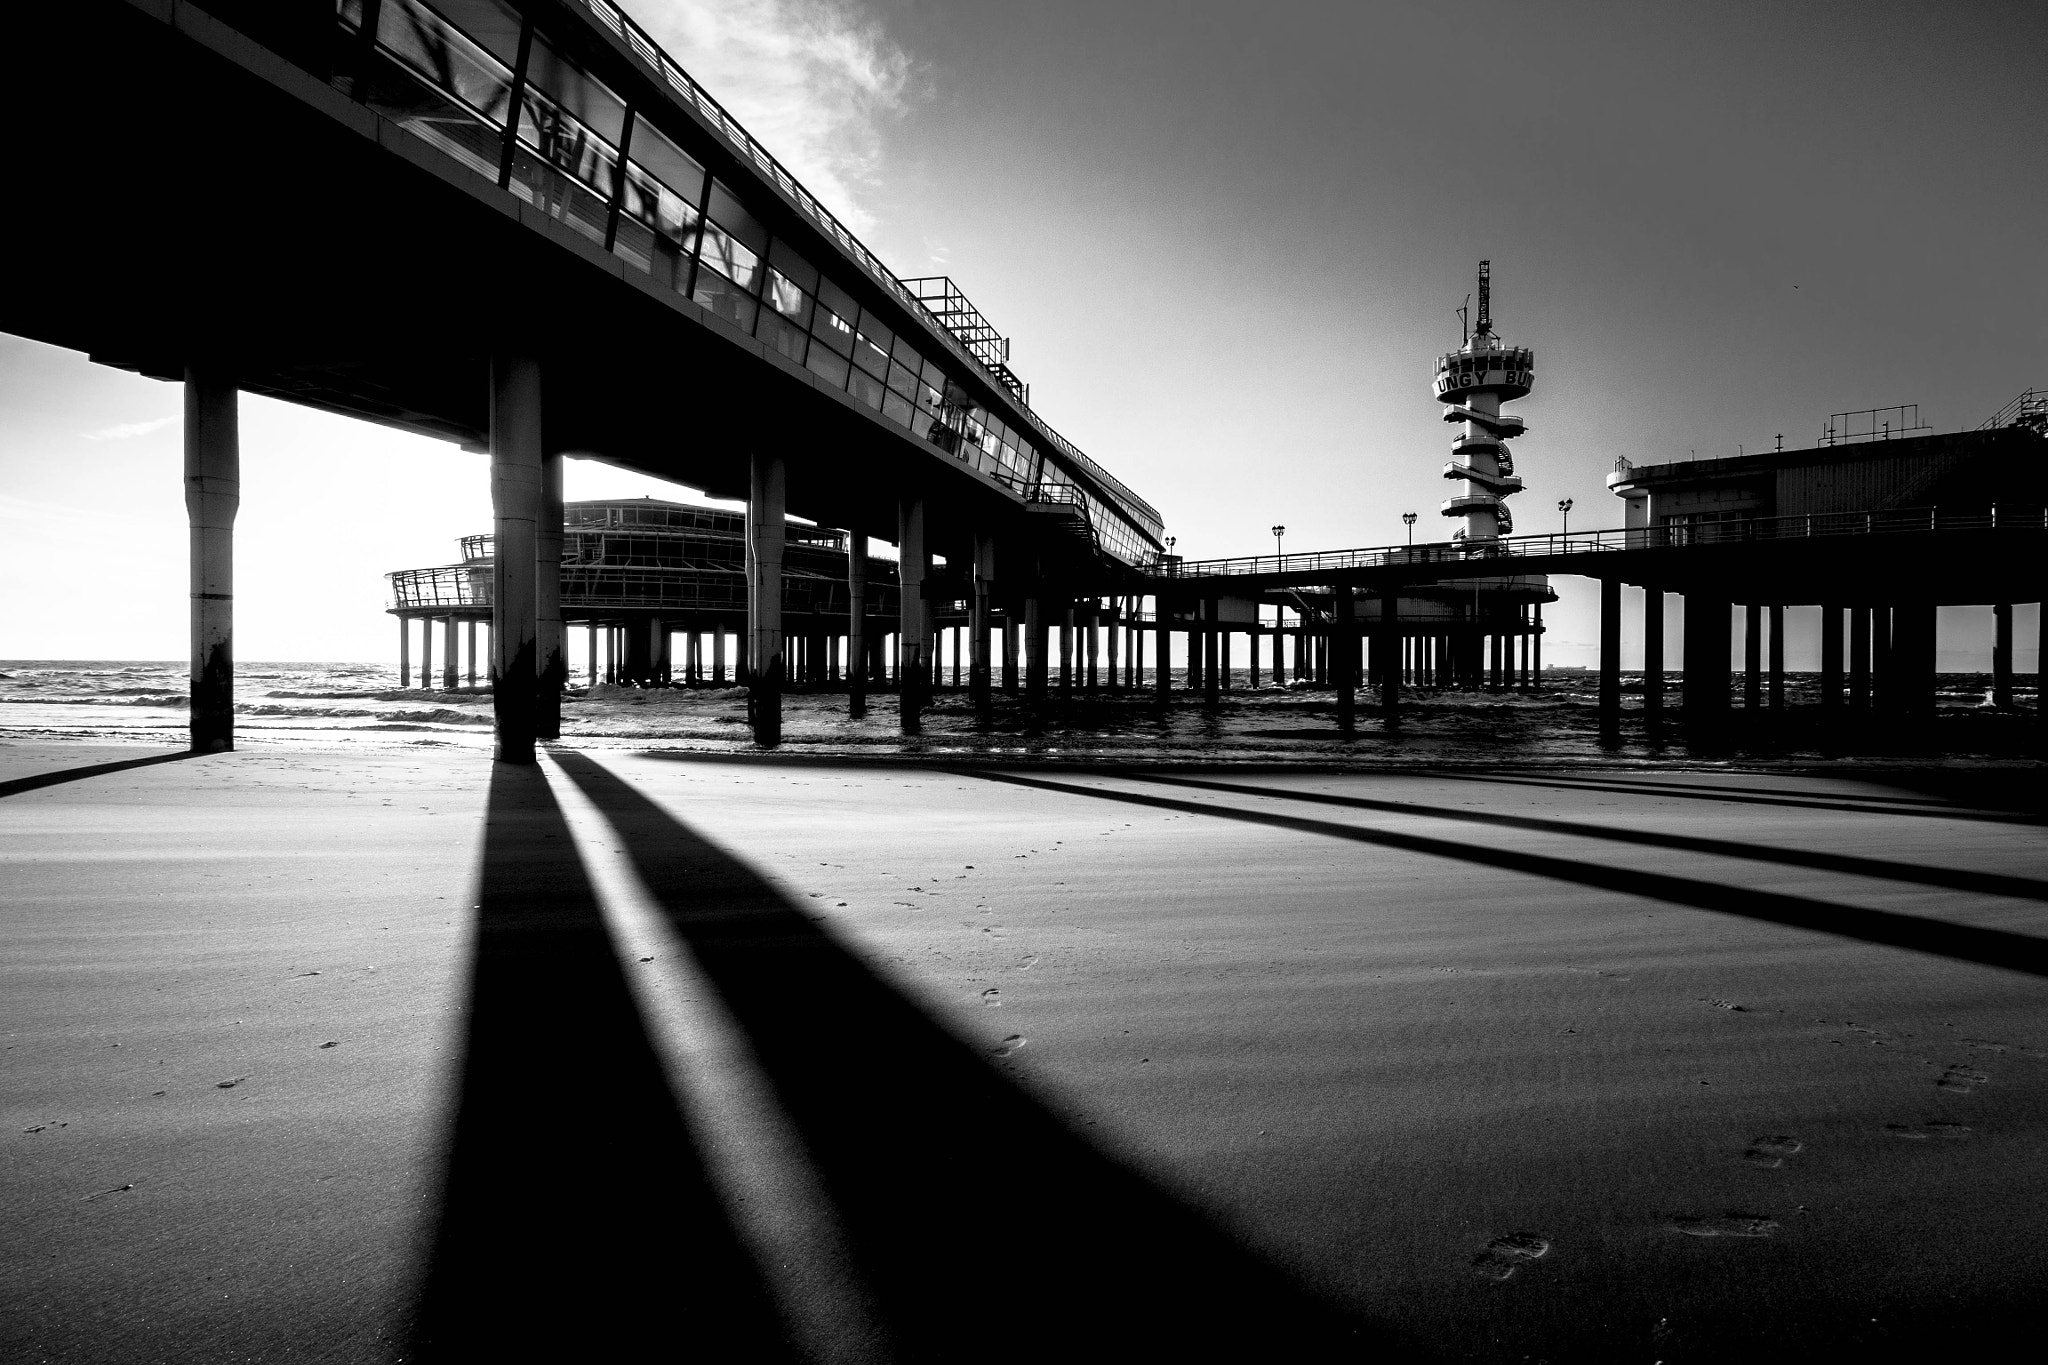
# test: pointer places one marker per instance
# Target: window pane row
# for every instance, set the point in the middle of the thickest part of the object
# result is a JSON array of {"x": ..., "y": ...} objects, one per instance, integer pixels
[{"x": 688, "y": 230}]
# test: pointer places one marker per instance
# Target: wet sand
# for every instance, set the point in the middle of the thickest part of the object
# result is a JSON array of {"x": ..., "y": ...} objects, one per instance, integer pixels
[{"x": 888, "y": 1061}]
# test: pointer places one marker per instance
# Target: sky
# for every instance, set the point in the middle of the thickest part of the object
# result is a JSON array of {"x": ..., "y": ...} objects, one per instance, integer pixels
[{"x": 1227, "y": 242}]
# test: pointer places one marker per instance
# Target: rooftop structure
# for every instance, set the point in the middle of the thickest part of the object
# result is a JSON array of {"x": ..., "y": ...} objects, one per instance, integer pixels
[{"x": 1852, "y": 472}]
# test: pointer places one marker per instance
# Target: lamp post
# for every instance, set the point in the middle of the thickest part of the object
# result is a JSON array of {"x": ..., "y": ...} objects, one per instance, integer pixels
[
  {"x": 1278, "y": 531},
  {"x": 1408, "y": 520},
  {"x": 1564, "y": 505}
]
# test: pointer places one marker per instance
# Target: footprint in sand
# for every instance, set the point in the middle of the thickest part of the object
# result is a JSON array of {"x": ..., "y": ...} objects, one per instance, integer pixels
[
  {"x": 1503, "y": 1256},
  {"x": 992, "y": 997},
  {"x": 1027, "y": 962},
  {"x": 1599, "y": 971},
  {"x": 1771, "y": 1152},
  {"x": 1921, "y": 1132},
  {"x": 1962, "y": 1078},
  {"x": 1733, "y": 1225},
  {"x": 1008, "y": 1046}
]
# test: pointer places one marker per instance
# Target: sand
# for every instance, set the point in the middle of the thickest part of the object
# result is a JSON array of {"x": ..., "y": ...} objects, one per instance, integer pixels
[{"x": 371, "y": 1055}]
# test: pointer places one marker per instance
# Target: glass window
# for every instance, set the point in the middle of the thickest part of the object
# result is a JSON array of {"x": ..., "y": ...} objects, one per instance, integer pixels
[
  {"x": 897, "y": 409},
  {"x": 873, "y": 330},
  {"x": 649, "y": 201},
  {"x": 902, "y": 379},
  {"x": 492, "y": 23},
  {"x": 670, "y": 164},
  {"x": 725, "y": 299},
  {"x": 782, "y": 335},
  {"x": 793, "y": 266},
  {"x": 906, "y": 353},
  {"x": 449, "y": 61},
  {"x": 786, "y": 297},
  {"x": 729, "y": 213},
  {"x": 833, "y": 330},
  {"x": 579, "y": 93},
  {"x": 869, "y": 356},
  {"x": 730, "y": 257},
  {"x": 837, "y": 299},
  {"x": 831, "y": 366},
  {"x": 866, "y": 388}
]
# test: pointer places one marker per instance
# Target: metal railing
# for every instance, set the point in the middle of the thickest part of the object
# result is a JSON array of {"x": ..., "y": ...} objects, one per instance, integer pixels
[
  {"x": 595, "y": 590},
  {"x": 1674, "y": 536},
  {"x": 2029, "y": 410},
  {"x": 678, "y": 80}
]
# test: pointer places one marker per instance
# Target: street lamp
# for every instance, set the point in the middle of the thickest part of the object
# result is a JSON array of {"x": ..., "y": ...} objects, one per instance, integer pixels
[
  {"x": 1408, "y": 520},
  {"x": 1564, "y": 505},
  {"x": 1278, "y": 531}
]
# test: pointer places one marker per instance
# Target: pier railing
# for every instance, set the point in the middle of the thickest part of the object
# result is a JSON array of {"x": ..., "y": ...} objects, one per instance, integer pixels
[{"x": 1668, "y": 536}]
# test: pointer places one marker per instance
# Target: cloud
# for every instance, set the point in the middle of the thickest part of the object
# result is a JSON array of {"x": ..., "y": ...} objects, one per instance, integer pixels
[
  {"x": 817, "y": 81},
  {"x": 124, "y": 431}
]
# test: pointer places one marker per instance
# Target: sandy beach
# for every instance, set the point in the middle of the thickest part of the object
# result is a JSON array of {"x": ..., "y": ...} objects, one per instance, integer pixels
[{"x": 369, "y": 1054}]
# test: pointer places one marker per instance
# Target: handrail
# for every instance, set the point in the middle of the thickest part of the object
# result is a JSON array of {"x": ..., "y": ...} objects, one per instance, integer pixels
[{"x": 1796, "y": 527}]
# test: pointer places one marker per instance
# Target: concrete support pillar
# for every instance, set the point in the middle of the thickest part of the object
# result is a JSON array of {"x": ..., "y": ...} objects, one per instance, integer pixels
[
  {"x": 856, "y": 624},
  {"x": 1067, "y": 652},
  {"x": 1036, "y": 665},
  {"x": 1830, "y": 657},
  {"x": 516, "y": 508},
  {"x": 426, "y": 654},
  {"x": 1114, "y": 629},
  {"x": 1344, "y": 633},
  {"x": 1162, "y": 661},
  {"x": 1884, "y": 687},
  {"x": 2001, "y": 655},
  {"x": 1010, "y": 653},
  {"x": 981, "y": 624},
  {"x": 1537, "y": 638},
  {"x": 1653, "y": 652},
  {"x": 404, "y": 652},
  {"x": 1390, "y": 643},
  {"x": 451, "y": 665},
  {"x": 1752, "y": 656},
  {"x": 213, "y": 495},
  {"x": 1860, "y": 657},
  {"x": 1212, "y": 648},
  {"x": 1706, "y": 661},
  {"x": 718, "y": 655},
  {"x": 1913, "y": 658},
  {"x": 1280, "y": 647},
  {"x": 913, "y": 638},
  {"x": 1610, "y": 654},
  {"x": 1777, "y": 661},
  {"x": 547, "y": 581},
  {"x": 767, "y": 502}
]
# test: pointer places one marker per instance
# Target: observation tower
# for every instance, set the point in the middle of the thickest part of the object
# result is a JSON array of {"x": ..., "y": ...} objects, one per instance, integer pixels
[{"x": 1472, "y": 382}]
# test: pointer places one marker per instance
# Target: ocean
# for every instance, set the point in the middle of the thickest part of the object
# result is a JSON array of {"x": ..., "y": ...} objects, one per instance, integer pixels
[{"x": 302, "y": 704}]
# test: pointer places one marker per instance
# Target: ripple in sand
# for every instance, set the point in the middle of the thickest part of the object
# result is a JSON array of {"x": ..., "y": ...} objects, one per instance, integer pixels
[
  {"x": 1500, "y": 1258},
  {"x": 1770, "y": 1152},
  {"x": 1733, "y": 1225}
]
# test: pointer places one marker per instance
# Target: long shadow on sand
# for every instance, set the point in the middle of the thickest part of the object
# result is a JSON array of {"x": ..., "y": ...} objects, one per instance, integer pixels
[
  {"x": 577, "y": 1221},
  {"x": 1953, "y": 879},
  {"x": 980, "y": 1223},
  {"x": 1753, "y": 796},
  {"x": 1990, "y": 947},
  {"x": 15, "y": 786}
]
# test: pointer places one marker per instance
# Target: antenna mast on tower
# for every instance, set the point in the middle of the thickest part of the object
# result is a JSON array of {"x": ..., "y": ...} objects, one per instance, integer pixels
[{"x": 1485, "y": 298}]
